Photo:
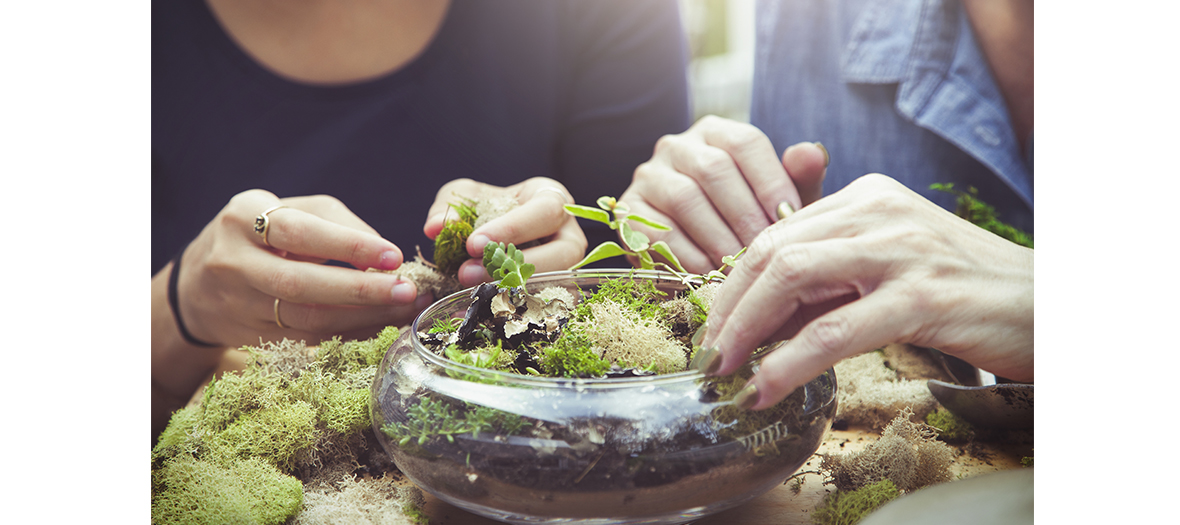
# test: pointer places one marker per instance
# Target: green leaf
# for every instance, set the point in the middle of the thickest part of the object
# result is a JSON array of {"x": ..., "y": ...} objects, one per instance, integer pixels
[
  {"x": 636, "y": 241},
  {"x": 602, "y": 251},
  {"x": 506, "y": 264},
  {"x": 649, "y": 223},
  {"x": 511, "y": 280},
  {"x": 587, "y": 212},
  {"x": 607, "y": 202},
  {"x": 663, "y": 249}
]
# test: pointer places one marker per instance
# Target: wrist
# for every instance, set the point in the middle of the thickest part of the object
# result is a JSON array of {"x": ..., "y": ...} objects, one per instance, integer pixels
[{"x": 174, "y": 303}]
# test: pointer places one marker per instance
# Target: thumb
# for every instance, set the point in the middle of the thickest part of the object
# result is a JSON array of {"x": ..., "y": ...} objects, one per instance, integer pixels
[{"x": 807, "y": 163}]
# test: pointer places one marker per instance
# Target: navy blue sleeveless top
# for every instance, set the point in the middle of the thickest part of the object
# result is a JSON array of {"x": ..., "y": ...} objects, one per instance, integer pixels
[{"x": 508, "y": 89}]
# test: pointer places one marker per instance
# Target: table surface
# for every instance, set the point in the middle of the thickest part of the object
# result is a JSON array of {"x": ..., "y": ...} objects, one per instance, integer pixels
[{"x": 781, "y": 505}]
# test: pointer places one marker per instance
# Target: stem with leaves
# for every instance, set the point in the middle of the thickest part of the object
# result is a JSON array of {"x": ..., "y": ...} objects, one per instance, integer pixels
[{"x": 617, "y": 215}]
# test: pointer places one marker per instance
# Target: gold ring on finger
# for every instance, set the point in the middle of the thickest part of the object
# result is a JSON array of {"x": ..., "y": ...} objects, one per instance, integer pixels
[
  {"x": 277, "y": 320},
  {"x": 262, "y": 224}
]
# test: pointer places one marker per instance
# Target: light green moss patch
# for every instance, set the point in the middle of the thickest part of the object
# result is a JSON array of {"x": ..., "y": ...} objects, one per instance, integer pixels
[
  {"x": 848, "y": 508},
  {"x": 189, "y": 491}
]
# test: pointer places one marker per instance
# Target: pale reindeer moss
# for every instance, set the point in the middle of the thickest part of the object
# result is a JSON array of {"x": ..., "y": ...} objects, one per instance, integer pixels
[
  {"x": 621, "y": 337},
  {"x": 908, "y": 454}
]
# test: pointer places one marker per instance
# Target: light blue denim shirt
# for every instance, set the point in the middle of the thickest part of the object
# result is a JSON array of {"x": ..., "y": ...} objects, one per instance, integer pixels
[{"x": 898, "y": 87}]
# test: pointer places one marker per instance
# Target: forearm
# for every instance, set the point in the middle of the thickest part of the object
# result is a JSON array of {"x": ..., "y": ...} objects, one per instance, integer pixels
[{"x": 177, "y": 367}]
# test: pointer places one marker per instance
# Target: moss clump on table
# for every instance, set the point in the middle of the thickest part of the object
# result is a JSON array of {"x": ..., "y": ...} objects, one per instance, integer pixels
[
  {"x": 848, "y": 508},
  {"x": 908, "y": 454},
  {"x": 238, "y": 455},
  {"x": 950, "y": 427}
]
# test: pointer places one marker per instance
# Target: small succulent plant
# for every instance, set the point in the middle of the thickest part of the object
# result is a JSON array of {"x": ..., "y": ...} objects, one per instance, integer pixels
[{"x": 506, "y": 264}]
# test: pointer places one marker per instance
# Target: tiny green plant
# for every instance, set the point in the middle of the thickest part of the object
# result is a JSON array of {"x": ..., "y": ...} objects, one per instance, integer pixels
[
  {"x": 618, "y": 216},
  {"x": 445, "y": 325},
  {"x": 506, "y": 264}
]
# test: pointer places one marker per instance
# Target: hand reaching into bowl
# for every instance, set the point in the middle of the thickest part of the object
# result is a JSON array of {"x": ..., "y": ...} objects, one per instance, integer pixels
[
  {"x": 872, "y": 264},
  {"x": 718, "y": 185},
  {"x": 540, "y": 217}
]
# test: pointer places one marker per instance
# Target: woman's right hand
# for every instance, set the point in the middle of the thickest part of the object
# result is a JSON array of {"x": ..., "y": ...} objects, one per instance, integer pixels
[
  {"x": 872, "y": 264},
  {"x": 230, "y": 278}
]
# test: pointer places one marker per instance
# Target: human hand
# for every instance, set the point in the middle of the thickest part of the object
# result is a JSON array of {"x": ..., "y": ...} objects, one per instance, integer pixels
[
  {"x": 872, "y": 264},
  {"x": 540, "y": 217},
  {"x": 718, "y": 185},
  {"x": 230, "y": 278}
]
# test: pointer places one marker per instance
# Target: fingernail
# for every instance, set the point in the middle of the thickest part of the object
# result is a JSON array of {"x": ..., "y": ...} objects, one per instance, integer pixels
[
  {"x": 708, "y": 360},
  {"x": 404, "y": 292},
  {"x": 472, "y": 274},
  {"x": 390, "y": 260},
  {"x": 827, "y": 158},
  {"x": 784, "y": 210},
  {"x": 699, "y": 335},
  {"x": 747, "y": 398},
  {"x": 478, "y": 241}
]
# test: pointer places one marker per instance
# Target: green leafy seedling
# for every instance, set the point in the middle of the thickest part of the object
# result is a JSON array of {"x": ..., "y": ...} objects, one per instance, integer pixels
[
  {"x": 635, "y": 243},
  {"x": 506, "y": 264},
  {"x": 727, "y": 261}
]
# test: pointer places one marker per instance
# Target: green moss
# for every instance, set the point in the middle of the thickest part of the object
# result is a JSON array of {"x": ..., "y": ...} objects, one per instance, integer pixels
[
  {"x": 639, "y": 296},
  {"x": 190, "y": 491},
  {"x": 969, "y": 207},
  {"x": 466, "y": 211},
  {"x": 572, "y": 355},
  {"x": 702, "y": 311},
  {"x": 415, "y": 514},
  {"x": 179, "y": 435},
  {"x": 760, "y": 430},
  {"x": 848, "y": 508},
  {"x": 275, "y": 416},
  {"x": 275, "y": 434},
  {"x": 450, "y": 247},
  {"x": 339, "y": 406},
  {"x": 352, "y": 356},
  {"x": 950, "y": 427},
  {"x": 1026, "y": 461}
]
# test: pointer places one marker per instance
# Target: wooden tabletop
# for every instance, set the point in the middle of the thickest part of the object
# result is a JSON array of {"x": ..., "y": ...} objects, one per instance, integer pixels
[{"x": 781, "y": 506}]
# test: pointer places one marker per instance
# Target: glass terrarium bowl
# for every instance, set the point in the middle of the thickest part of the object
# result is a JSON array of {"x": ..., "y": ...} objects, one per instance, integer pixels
[{"x": 524, "y": 449}]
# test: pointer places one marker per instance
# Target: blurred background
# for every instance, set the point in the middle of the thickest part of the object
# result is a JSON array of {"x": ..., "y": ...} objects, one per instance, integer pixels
[{"x": 721, "y": 42}]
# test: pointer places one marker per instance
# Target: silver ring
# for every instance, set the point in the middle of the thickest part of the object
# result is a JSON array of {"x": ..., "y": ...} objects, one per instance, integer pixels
[
  {"x": 277, "y": 320},
  {"x": 262, "y": 224}
]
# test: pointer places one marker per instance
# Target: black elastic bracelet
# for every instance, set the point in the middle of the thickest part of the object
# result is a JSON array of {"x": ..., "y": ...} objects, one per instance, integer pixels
[{"x": 174, "y": 303}]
